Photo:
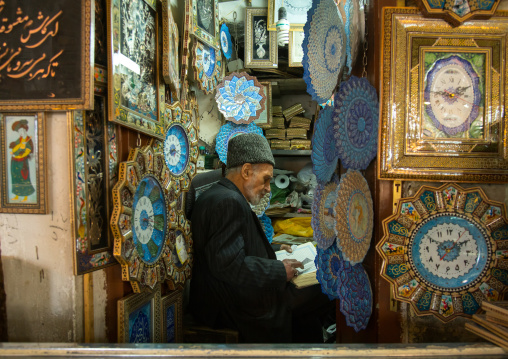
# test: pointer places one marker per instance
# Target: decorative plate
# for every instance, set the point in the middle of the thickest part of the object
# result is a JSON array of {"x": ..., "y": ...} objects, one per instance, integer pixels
[
  {"x": 180, "y": 146},
  {"x": 227, "y": 132},
  {"x": 225, "y": 41},
  {"x": 356, "y": 122},
  {"x": 263, "y": 205},
  {"x": 324, "y": 48},
  {"x": 266, "y": 223},
  {"x": 323, "y": 213},
  {"x": 352, "y": 28},
  {"x": 324, "y": 149},
  {"x": 445, "y": 251},
  {"x": 355, "y": 217},
  {"x": 178, "y": 257},
  {"x": 348, "y": 283},
  {"x": 207, "y": 66},
  {"x": 142, "y": 203},
  {"x": 240, "y": 98}
]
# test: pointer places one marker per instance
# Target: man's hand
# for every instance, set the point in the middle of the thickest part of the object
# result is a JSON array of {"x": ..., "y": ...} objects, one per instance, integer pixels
[
  {"x": 290, "y": 265},
  {"x": 286, "y": 247}
]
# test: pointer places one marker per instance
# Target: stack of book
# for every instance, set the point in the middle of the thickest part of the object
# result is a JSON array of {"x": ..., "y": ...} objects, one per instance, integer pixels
[
  {"x": 493, "y": 324},
  {"x": 288, "y": 130},
  {"x": 292, "y": 111},
  {"x": 277, "y": 111}
]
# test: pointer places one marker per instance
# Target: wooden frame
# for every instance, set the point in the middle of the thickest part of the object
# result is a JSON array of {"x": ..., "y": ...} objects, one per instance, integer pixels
[
  {"x": 41, "y": 71},
  {"x": 413, "y": 142},
  {"x": 265, "y": 118},
  {"x": 296, "y": 13},
  {"x": 468, "y": 10},
  {"x": 141, "y": 312},
  {"x": 205, "y": 21},
  {"x": 257, "y": 34},
  {"x": 172, "y": 317},
  {"x": 25, "y": 134},
  {"x": 136, "y": 92},
  {"x": 170, "y": 45},
  {"x": 295, "y": 49},
  {"x": 94, "y": 167}
]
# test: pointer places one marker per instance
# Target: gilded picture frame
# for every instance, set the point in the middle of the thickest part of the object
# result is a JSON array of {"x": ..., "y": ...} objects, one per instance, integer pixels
[
  {"x": 139, "y": 317},
  {"x": 170, "y": 47},
  {"x": 296, "y": 13},
  {"x": 456, "y": 12},
  {"x": 260, "y": 44},
  {"x": 172, "y": 317},
  {"x": 265, "y": 118},
  {"x": 205, "y": 21},
  {"x": 41, "y": 42},
  {"x": 295, "y": 49},
  {"x": 443, "y": 99},
  {"x": 23, "y": 171},
  {"x": 94, "y": 171},
  {"x": 136, "y": 92}
]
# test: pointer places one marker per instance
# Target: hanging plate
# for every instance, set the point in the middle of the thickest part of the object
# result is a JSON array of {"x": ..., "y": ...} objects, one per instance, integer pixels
[
  {"x": 225, "y": 41},
  {"x": 323, "y": 209},
  {"x": 139, "y": 223},
  {"x": 227, "y": 132},
  {"x": 266, "y": 223},
  {"x": 240, "y": 98},
  {"x": 356, "y": 123},
  {"x": 328, "y": 264},
  {"x": 352, "y": 28},
  {"x": 355, "y": 217},
  {"x": 180, "y": 145},
  {"x": 207, "y": 66},
  {"x": 324, "y": 49},
  {"x": 324, "y": 150},
  {"x": 445, "y": 251}
]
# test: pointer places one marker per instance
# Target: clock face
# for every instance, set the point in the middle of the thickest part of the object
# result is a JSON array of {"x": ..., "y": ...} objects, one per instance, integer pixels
[
  {"x": 149, "y": 219},
  {"x": 449, "y": 251},
  {"x": 452, "y": 95},
  {"x": 176, "y": 149}
]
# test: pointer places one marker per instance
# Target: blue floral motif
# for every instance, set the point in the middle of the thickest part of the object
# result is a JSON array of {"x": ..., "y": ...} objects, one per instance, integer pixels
[
  {"x": 240, "y": 98},
  {"x": 356, "y": 123},
  {"x": 225, "y": 41},
  {"x": 139, "y": 325},
  {"x": 227, "y": 132},
  {"x": 324, "y": 53},
  {"x": 324, "y": 153}
]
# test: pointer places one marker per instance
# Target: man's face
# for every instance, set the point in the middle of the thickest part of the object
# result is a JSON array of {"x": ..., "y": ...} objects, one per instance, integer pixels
[{"x": 257, "y": 184}]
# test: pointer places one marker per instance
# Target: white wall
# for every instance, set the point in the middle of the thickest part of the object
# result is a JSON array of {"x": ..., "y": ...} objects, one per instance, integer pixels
[{"x": 44, "y": 298}]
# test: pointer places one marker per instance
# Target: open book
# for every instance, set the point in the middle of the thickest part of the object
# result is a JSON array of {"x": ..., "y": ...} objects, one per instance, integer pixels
[{"x": 305, "y": 253}]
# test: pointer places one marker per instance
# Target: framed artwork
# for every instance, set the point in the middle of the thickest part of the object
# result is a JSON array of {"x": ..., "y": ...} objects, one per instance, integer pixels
[
  {"x": 205, "y": 21},
  {"x": 443, "y": 99},
  {"x": 260, "y": 44},
  {"x": 458, "y": 11},
  {"x": 139, "y": 317},
  {"x": 93, "y": 172},
  {"x": 23, "y": 180},
  {"x": 296, "y": 13},
  {"x": 136, "y": 94},
  {"x": 40, "y": 44},
  {"x": 172, "y": 317},
  {"x": 295, "y": 48},
  {"x": 444, "y": 251},
  {"x": 170, "y": 44},
  {"x": 265, "y": 118}
]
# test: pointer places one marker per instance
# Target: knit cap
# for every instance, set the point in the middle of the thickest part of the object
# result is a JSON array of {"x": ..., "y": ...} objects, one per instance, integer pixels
[{"x": 249, "y": 148}]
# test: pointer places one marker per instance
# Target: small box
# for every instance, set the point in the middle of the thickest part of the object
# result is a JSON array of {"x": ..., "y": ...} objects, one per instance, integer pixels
[
  {"x": 275, "y": 133},
  {"x": 296, "y": 133},
  {"x": 280, "y": 144},
  {"x": 300, "y": 145}
]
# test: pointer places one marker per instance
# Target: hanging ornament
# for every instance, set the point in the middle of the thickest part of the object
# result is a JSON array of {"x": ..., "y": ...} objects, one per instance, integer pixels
[
  {"x": 356, "y": 123},
  {"x": 323, "y": 49},
  {"x": 324, "y": 150},
  {"x": 240, "y": 98},
  {"x": 225, "y": 41}
]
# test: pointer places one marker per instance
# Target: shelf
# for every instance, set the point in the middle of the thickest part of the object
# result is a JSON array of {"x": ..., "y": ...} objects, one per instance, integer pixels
[{"x": 291, "y": 152}]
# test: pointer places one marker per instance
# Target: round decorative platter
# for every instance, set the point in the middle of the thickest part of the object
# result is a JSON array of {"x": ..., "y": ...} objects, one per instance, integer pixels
[
  {"x": 324, "y": 154},
  {"x": 227, "y": 132},
  {"x": 323, "y": 213}
]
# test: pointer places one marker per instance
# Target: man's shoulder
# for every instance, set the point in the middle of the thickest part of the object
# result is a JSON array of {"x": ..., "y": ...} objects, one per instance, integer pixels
[{"x": 223, "y": 190}]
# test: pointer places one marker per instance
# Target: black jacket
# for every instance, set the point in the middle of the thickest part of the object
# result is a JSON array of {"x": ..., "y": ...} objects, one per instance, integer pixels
[{"x": 237, "y": 281}]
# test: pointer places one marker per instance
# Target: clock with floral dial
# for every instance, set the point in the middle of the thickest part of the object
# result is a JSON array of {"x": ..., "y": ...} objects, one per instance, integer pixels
[{"x": 445, "y": 251}]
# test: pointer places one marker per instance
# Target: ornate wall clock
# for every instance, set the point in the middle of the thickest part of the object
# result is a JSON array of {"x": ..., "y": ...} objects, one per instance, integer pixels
[
  {"x": 178, "y": 257},
  {"x": 207, "y": 66},
  {"x": 458, "y": 11},
  {"x": 443, "y": 99},
  {"x": 143, "y": 210},
  {"x": 444, "y": 251},
  {"x": 180, "y": 146}
]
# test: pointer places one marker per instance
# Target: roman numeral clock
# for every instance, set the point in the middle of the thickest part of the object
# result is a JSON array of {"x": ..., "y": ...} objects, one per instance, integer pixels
[{"x": 445, "y": 251}]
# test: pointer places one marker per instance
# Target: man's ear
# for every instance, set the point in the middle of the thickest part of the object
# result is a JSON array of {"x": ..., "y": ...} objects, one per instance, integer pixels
[{"x": 246, "y": 170}]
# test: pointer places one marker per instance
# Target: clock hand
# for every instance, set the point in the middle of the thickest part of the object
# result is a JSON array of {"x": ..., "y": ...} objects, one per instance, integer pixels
[
  {"x": 450, "y": 249},
  {"x": 460, "y": 90},
  {"x": 452, "y": 95}
]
